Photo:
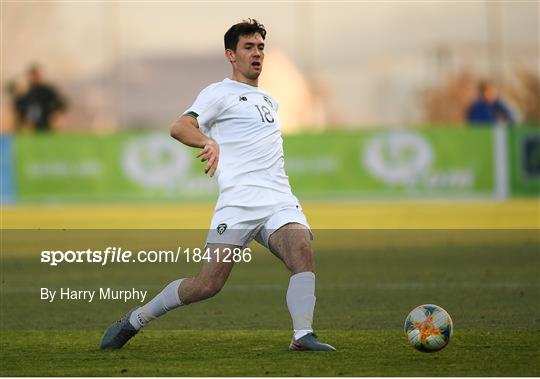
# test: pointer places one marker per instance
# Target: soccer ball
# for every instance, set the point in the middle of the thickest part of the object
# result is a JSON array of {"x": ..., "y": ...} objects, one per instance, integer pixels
[{"x": 428, "y": 328}]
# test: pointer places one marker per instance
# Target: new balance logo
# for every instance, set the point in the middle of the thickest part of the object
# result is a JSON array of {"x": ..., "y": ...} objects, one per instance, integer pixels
[{"x": 242, "y": 98}]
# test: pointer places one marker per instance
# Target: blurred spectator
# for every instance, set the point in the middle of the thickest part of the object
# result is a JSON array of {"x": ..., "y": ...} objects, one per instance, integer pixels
[
  {"x": 488, "y": 108},
  {"x": 16, "y": 94},
  {"x": 42, "y": 102}
]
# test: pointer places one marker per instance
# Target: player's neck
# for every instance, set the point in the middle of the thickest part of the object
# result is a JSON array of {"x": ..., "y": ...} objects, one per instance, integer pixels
[{"x": 242, "y": 79}]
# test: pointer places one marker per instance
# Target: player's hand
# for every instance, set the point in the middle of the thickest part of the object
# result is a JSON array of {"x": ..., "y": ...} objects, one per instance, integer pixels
[{"x": 210, "y": 154}]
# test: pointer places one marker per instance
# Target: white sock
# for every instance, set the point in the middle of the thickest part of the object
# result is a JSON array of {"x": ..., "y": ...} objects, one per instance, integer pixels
[
  {"x": 301, "y": 302},
  {"x": 165, "y": 301}
]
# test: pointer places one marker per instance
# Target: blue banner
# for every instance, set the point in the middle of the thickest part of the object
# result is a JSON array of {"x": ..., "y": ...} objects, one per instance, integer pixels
[{"x": 7, "y": 184}]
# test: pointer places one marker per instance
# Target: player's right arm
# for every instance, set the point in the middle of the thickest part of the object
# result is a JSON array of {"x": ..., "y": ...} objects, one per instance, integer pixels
[{"x": 186, "y": 130}]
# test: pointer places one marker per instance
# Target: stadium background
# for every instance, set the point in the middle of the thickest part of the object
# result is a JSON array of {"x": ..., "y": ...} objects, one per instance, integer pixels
[{"x": 372, "y": 102}]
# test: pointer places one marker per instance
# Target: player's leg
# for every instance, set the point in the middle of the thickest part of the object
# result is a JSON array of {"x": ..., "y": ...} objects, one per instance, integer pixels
[
  {"x": 292, "y": 244},
  {"x": 212, "y": 277},
  {"x": 207, "y": 283}
]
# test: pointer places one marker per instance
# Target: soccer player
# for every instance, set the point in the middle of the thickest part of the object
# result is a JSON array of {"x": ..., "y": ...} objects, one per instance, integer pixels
[{"x": 235, "y": 123}]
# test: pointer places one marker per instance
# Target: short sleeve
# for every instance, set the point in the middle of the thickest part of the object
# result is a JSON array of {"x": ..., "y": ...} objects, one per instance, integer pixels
[{"x": 207, "y": 106}]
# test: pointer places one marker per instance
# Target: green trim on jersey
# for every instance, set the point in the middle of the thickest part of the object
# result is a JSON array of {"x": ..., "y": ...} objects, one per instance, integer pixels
[{"x": 192, "y": 114}]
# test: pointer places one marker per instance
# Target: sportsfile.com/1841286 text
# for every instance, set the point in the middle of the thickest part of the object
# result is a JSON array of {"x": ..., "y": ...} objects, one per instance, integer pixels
[{"x": 119, "y": 255}]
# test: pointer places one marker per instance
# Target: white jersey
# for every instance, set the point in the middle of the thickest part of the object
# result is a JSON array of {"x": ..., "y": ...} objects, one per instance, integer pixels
[{"x": 243, "y": 120}]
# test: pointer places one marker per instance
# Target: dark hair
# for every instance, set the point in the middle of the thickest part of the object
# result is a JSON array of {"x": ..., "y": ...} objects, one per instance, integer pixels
[
  {"x": 483, "y": 85},
  {"x": 244, "y": 28}
]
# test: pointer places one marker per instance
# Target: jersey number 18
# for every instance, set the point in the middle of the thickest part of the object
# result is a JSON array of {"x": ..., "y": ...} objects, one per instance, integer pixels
[{"x": 265, "y": 113}]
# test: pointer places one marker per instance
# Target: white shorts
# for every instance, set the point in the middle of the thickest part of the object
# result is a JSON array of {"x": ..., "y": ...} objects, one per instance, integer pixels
[{"x": 239, "y": 225}]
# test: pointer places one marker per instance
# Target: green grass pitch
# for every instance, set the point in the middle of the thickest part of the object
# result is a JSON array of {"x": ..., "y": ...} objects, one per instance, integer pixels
[{"x": 367, "y": 282}]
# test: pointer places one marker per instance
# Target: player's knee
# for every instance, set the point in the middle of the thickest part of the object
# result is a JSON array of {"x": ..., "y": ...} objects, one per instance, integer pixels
[
  {"x": 303, "y": 260},
  {"x": 305, "y": 251}
]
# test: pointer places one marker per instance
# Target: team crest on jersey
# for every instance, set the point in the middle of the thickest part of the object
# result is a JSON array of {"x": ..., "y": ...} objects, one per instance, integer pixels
[
  {"x": 221, "y": 228},
  {"x": 268, "y": 101}
]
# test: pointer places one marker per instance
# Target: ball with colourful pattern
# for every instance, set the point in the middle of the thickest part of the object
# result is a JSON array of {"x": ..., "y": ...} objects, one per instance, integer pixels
[{"x": 428, "y": 328}]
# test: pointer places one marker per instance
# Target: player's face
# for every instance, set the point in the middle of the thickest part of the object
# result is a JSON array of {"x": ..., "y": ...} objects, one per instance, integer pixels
[{"x": 248, "y": 58}]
